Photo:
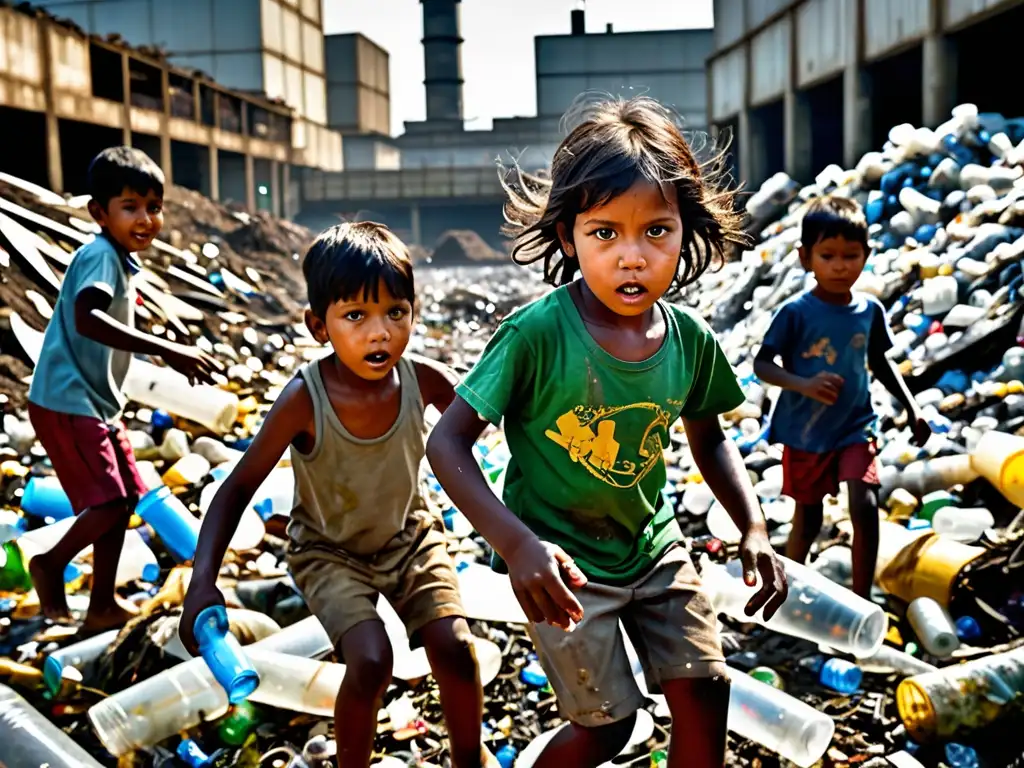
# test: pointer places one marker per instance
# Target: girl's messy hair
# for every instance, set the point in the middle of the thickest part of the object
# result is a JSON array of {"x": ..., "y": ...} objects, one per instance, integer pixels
[{"x": 616, "y": 143}]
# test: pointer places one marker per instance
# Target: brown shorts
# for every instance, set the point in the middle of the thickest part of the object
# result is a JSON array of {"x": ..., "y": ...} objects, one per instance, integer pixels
[
  {"x": 667, "y": 617},
  {"x": 414, "y": 573},
  {"x": 93, "y": 460},
  {"x": 807, "y": 478}
]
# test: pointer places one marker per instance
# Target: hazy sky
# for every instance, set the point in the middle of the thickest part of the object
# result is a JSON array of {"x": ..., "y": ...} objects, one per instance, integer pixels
[{"x": 497, "y": 55}]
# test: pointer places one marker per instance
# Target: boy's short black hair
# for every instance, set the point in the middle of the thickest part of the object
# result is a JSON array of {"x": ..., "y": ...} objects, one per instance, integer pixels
[
  {"x": 116, "y": 168},
  {"x": 833, "y": 216},
  {"x": 349, "y": 259}
]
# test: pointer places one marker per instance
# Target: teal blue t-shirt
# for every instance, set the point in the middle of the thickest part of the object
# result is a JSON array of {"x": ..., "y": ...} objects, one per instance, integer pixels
[
  {"x": 587, "y": 431},
  {"x": 75, "y": 374}
]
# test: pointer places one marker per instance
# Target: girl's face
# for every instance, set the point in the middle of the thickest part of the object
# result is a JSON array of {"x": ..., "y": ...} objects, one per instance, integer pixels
[{"x": 629, "y": 248}]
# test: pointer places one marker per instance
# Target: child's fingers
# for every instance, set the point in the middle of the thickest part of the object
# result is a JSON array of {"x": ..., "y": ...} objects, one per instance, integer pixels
[
  {"x": 526, "y": 602},
  {"x": 569, "y": 568},
  {"x": 553, "y": 613}
]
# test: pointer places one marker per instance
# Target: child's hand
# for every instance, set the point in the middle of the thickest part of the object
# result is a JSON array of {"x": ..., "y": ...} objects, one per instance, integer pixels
[
  {"x": 758, "y": 557},
  {"x": 823, "y": 387},
  {"x": 540, "y": 572},
  {"x": 198, "y": 598},
  {"x": 195, "y": 364},
  {"x": 921, "y": 428}
]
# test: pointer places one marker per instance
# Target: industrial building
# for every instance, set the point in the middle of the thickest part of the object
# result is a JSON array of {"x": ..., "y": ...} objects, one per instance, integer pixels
[
  {"x": 445, "y": 177},
  {"x": 66, "y": 95},
  {"x": 270, "y": 47},
  {"x": 800, "y": 84}
]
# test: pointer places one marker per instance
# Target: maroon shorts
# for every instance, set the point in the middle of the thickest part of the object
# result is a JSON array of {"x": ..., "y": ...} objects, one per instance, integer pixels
[
  {"x": 807, "y": 478},
  {"x": 93, "y": 460}
]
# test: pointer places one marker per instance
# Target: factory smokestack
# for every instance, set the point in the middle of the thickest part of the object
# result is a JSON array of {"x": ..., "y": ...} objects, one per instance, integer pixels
[
  {"x": 442, "y": 58},
  {"x": 579, "y": 18}
]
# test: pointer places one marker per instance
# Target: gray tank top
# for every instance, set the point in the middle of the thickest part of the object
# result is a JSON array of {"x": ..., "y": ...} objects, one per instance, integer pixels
[{"x": 352, "y": 493}]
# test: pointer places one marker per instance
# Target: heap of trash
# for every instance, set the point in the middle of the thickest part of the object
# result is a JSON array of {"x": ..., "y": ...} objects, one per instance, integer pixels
[{"x": 929, "y": 671}]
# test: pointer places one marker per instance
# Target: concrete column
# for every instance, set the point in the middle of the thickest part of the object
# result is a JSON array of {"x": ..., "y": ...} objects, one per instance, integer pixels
[
  {"x": 415, "y": 225},
  {"x": 856, "y": 114},
  {"x": 744, "y": 157},
  {"x": 126, "y": 84},
  {"x": 214, "y": 173},
  {"x": 54, "y": 161},
  {"x": 797, "y": 131},
  {"x": 250, "y": 183},
  {"x": 275, "y": 188},
  {"x": 166, "y": 159},
  {"x": 938, "y": 78},
  {"x": 287, "y": 210}
]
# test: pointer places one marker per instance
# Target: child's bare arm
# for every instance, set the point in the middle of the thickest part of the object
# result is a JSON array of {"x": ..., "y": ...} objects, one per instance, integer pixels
[
  {"x": 437, "y": 383},
  {"x": 291, "y": 415},
  {"x": 93, "y": 322},
  {"x": 722, "y": 467},
  {"x": 887, "y": 372},
  {"x": 534, "y": 566}
]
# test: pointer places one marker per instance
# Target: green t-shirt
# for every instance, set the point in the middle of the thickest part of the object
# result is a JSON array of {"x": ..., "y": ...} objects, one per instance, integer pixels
[{"x": 587, "y": 431}]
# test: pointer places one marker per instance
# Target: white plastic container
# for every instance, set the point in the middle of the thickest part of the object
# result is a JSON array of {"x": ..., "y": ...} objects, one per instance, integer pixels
[
  {"x": 488, "y": 596},
  {"x": 816, "y": 609},
  {"x": 920, "y": 206},
  {"x": 938, "y": 294},
  {"x": 161, "y": 387},
  {"x": 137, "y": 562},
  {"x": 888, "y": 660},
  {"x": 966, "y": 525},
  {"x": 181, "y": 697},
  {"x": 933, "y": 627}
]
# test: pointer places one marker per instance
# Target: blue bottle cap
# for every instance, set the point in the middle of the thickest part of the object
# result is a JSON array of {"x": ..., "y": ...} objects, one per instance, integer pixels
[
  {"x": 162, "y": 419},
  {"x": 506, "y": 756},
  {"x": 967, "y": 628},
  {"x": 53, "y": 672},
  {"x": 151, "y": 572}
]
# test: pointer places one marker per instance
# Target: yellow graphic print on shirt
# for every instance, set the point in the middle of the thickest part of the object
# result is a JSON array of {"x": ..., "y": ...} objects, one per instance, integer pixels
[
  {"x": 588, "y": 434},
  {"x": 822, "y": 348}
]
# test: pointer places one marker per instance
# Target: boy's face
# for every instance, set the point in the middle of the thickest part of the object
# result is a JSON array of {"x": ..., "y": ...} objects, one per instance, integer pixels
[
  {"x": 368, "y": 336},
  {"x": 629, "y": 248},
  {"x": 132, "y": 219},
  {"x": 836, "y": 263}
]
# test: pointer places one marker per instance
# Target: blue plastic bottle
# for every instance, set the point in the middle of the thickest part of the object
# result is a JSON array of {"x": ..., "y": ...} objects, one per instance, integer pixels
[
  {"x": 192, "y": 754},
  {"x": 533, "y": 674},
  {"x": 968, "y": 629},
  {"x": 961, "y": 756},
  {"x": 506, "y": 756},
  {"x": 44, "y": 497},
  {"x": 171, "y": 520},
  {"x": 223, "y": 654},
  {"x": 840, "y": 675}
]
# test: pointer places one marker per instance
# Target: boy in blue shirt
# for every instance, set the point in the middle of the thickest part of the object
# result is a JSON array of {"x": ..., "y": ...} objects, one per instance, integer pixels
[
  {"x": 75, "y": 400},
  {"x": 826, "y": 339}
]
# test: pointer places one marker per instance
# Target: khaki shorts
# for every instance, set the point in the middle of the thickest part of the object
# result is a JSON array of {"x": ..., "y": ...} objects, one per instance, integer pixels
[
  {"x": 414, "y": 572},
  {"x": 667, "y": 617}
]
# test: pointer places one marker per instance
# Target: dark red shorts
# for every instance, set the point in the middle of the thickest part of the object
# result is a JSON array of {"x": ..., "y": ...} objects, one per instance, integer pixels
[
  {"x": 807, "y": 478},
  {"x": 93, "y": 460}
]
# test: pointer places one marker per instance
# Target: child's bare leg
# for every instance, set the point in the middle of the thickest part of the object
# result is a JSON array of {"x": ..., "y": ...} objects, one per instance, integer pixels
[
  {"x": 583, "y": 747},
  {"x": 864, "y": 515},
  {"x": 47, "y": 569},
  {"x": 105, "y": 610},
  {"x": 700, "y": 712},
  {"x": 449, "y": 646},
  {"x": 366, "y": 650},
  {"x": 807, "y": 522}
]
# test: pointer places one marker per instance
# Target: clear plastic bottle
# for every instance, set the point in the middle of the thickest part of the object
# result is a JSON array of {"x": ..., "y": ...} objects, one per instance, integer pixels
[
  {"x": 31, "y": 739},
  {"x": 964, "y": 525},
  {"x": 933, "y": 627},
  {"x": 181, "y": 697}
]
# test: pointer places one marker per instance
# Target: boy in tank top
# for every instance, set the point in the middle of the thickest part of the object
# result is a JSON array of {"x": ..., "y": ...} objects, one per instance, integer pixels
[{"x": 353, "y": 422}]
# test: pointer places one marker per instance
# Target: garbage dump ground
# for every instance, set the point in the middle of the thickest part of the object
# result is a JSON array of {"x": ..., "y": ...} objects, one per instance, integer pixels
[{"x": 929, "y": 672}]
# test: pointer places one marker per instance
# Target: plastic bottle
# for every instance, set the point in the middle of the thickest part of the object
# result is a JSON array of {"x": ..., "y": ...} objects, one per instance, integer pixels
[
  {"x": 933, "y": 627},
  {"x": 14, "y": 575},
  {"x": 959, "y": 699},
  {"x": 75, "y": 656},
  {"x": 235, "y": 727},
  {"x": 223, "y": 654},
  {"x": 816, "y": 609},
  {"x": 160, "y": 387},
  {"x": 137, "y": 560},
  {"x": 192, "y": 754},
  {"x": 778, "y": 721},
  {"x": 171, "y": 520},
  {"x": 506, "y": 756},
  {"x": 30, "y": 739},
  {"x": 181, "y": 697},
  {"x": 888, "y": 660},
  {"x": 44, "y": 497},
  {"x": 965, "y": 525}
]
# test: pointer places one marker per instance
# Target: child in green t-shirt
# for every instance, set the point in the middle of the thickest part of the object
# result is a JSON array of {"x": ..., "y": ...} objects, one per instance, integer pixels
[{"x": 589, "y": 379}]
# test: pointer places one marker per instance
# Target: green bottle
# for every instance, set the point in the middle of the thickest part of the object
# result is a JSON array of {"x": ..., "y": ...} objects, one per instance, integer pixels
[
  {"x": 659, "y": 759},
  {"x": 236, "y": 726},
  {"x": 14, "y": 575}
]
